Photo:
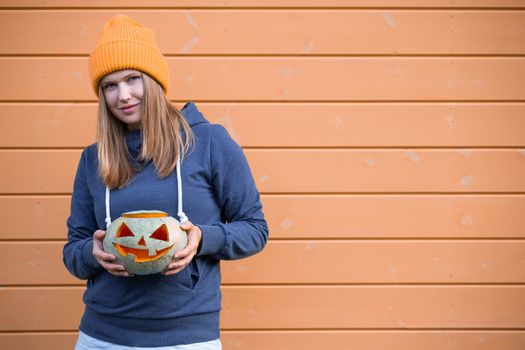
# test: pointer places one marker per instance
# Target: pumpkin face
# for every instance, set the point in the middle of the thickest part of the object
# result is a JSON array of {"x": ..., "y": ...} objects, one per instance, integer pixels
[{"x": 144, "y": 241}]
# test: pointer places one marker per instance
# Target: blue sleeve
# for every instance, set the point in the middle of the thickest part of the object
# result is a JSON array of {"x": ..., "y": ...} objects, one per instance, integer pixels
[
  {"x": 81, "y": 225},
  {"x": 244, "y": 231}
]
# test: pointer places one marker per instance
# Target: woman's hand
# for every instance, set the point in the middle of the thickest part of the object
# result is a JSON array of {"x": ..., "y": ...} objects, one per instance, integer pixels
[
  {"x": 183, "y": 258},
  {"x": 105, "y": 259}
]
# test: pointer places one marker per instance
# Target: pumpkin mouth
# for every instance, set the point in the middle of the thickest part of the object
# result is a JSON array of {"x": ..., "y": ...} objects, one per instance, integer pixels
[{"x": 141, "y": 255}]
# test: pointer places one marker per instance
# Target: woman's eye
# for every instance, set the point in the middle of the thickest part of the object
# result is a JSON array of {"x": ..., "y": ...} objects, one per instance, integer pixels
[
  {"x": 135, "y": 77},
  {"x": 108, "y": 86}
]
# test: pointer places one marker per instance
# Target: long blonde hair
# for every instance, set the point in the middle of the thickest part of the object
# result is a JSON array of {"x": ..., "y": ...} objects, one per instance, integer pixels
[{"x": 162, "y": 138}]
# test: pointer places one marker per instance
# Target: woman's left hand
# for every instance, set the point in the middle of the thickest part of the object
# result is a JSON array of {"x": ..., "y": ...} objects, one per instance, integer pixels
[{"x": 181, "y": 259}]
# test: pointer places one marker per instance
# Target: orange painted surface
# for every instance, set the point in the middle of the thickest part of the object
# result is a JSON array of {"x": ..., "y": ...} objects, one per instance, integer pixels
[
  {"x": 305, "y": 307},
  {"x": 297, "y": 216},
  {"x": 314, "y": 340},
  {"x": 275, "y": 124},
  {"x": 315, "y": 32},
  {"x": 289, "y": 78},
  {"x": 351, "y": 262},
  {"x": 386, "y": 137},
  {"x": 313, "y": 170},
  {"x": 267, "y": 3}
]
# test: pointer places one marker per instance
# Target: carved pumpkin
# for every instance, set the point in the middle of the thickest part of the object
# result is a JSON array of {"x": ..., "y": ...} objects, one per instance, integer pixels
[{"x": 144, "y": 241}]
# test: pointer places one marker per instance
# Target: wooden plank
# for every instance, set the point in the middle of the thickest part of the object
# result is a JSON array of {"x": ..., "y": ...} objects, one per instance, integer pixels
[
  {"x": 262, "y": 4},
  {"x": 287, "y": 79},
  {"x": 41, "y": 341},
  {"x": 383, "y": 262},
  {"x": 388, "y": 170},
  {"x": 34, "y": 217},
  {"x": 304, "y": 307},
  {"x": 322, "y": 125},
  {"x": 61, "y": 165},
  {"x": 312, "y": 340},
  {"x": 302, "y": 262},
  {"x": 297, "y": 32},
  {"x": 394, "y": 216},
  {"x": 48, "y": 125},
  {"x": 43, "y": 259},
  {"x": 298, "y": 216},
  {"x": 366, "y": 340},
  {"x": 371, "y": 307},
  {"x": 312, "y": 170}
]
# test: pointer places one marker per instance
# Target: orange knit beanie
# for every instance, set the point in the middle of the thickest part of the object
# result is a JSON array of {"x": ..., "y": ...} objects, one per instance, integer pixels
[{"x": 126, "y": 44}]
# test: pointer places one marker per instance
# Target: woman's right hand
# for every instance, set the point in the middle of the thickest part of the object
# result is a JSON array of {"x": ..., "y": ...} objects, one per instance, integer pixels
[{"x": 108, "y": 261}]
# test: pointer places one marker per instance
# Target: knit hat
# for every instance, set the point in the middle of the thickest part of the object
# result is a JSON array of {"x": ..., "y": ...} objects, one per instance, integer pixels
[{"x": 126, "y": 44}]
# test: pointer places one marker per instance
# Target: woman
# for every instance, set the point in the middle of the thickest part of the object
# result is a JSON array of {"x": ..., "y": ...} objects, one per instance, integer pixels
[{"x": 133, "y": 166}]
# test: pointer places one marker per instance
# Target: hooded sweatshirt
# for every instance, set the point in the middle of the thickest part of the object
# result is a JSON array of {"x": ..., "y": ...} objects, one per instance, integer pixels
[{"x": 220, "y": 197}]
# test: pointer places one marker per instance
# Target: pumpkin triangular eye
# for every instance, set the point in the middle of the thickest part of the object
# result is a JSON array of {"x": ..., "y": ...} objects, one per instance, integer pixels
[
  {"x": 124, "y": 231},
  {"x": 160, "y": 233}
]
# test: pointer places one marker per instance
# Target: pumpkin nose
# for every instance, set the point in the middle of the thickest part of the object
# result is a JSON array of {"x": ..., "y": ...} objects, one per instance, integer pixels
[{"x": 142, "y": 242}]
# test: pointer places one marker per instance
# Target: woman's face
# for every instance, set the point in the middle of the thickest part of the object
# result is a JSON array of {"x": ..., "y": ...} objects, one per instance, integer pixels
[{"x": 123, "y": 91}]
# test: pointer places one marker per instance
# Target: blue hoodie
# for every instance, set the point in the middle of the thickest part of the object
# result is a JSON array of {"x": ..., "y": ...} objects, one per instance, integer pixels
[{"x": 220, "y": 197}]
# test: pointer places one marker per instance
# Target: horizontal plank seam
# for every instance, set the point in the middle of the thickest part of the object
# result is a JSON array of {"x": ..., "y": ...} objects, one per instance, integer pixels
[
  {"x": 379, "y": 329},
  {"x": 317, "y": 239},
  {"x": 286, "y": 55},
  {"x": 289, "y": 101},
  {"x": 317, "y": 329},
  {"x": 298, "y": 193},
  {"x": 314, "y": 239},
  {"x": 393, "y": 239},
  {"x": 94, "y": 103},
  {"x": 312, "y": 148},
  {"x": 7, "y": 287},
  {"x": 196, "y": 8},
  {"x": 294, "y": 330},
  {"x": 293, "y": 195}
]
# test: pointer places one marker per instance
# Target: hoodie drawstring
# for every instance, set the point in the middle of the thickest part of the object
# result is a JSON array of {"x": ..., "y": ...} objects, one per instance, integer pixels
[
  {"x": 182, "y": 217},
  {"x": 108, "y": 215}
]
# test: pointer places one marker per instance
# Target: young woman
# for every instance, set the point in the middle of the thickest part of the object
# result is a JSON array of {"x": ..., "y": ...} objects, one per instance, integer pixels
[{"x": 143, "y": 144}]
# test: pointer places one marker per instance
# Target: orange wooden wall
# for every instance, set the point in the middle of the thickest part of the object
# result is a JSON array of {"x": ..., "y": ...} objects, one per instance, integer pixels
[{"x": 387, "y": 138}]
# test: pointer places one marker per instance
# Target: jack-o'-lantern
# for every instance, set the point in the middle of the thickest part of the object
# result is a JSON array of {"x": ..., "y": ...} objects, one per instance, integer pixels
[{"x": 144, "y": 241}]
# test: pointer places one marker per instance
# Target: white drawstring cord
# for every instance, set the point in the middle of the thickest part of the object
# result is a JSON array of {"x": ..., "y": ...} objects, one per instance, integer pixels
[
  {"x": 182, "y": 217},
  {"x": 108, "y": 215}
]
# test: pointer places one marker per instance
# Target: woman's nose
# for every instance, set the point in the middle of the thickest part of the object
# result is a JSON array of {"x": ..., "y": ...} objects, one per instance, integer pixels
[{"x": 124, "y": 92}]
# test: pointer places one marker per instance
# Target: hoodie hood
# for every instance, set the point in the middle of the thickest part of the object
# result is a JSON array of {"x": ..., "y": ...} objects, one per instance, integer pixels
[
  {"x": 190, "y": 112},
  {"x": 192, "y": 115},
  {"x": 134, "y": 142}
]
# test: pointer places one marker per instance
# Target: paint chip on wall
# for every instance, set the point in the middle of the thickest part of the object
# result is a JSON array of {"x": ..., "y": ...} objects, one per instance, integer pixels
[{"x": 389, "y": 19}]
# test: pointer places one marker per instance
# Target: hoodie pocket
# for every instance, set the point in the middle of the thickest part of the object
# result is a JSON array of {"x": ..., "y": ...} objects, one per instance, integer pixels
[
  {"x": 194, "y": 272},
  {"x": 179, "y": 281}
]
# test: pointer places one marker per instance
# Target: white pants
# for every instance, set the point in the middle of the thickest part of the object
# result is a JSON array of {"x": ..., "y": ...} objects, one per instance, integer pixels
[{"x": 85, "y": 342}]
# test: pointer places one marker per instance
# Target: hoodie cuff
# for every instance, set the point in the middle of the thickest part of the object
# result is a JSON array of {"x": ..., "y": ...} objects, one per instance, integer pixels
[
  {"x": 212, "y": 241},
  {"x": 88, "y": 259}
]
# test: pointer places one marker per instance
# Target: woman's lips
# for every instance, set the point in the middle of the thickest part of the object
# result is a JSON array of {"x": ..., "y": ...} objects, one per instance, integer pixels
[{"x": 129, "y": 109}]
